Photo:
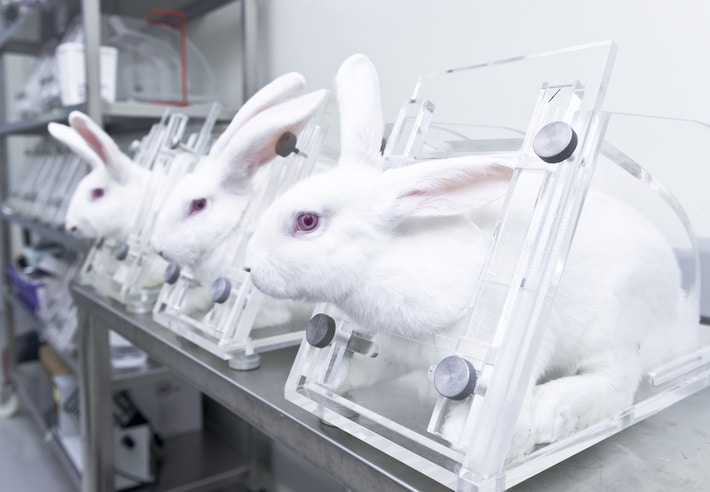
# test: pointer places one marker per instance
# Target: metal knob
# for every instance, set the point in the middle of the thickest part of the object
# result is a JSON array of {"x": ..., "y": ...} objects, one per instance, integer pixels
[
  {"x": 286, "y": 144},
  {"x": 172, "y": 273},
  {"x": 121, "y": 251},
  {"x": 321, "y": 330},
  {"x": 455, "y": 378},
  {"x": 555, "y": 142},
  {"x": 220, "y": 290}
]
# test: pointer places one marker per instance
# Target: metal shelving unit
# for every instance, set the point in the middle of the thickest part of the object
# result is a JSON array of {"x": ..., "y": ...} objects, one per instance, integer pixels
[
  {"x": 34, "y": 389},
  {"x": 193, "y": 461}
]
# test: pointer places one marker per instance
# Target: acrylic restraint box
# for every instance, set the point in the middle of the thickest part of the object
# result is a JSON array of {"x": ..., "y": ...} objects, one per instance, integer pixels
[
  {"x": 129, "y": 271},
  {"x": 240, "y": 321},
  {"x": 455, "y": 409}
]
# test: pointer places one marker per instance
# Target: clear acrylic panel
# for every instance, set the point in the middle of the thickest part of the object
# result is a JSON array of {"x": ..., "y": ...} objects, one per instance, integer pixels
[
  {"x": 238, "y": 321},
  {"x": 130, "y": 271},
  {"x": 478, "y": 437}
]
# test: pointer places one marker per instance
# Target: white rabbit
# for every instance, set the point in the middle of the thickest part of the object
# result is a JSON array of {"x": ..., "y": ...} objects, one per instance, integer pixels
[
  {"x": 107, "y": 199},
  {"x": 396, "y": 251},
  {"x": 198, "y": 222}
]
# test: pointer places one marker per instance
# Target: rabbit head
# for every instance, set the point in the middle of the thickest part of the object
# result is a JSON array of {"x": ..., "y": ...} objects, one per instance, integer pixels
[
  {"x": 205, "y": 206},
  {"x": 105, "y": 202},
  {"x": 391, "y": 249},
  {"x": 375, "y": 243}
]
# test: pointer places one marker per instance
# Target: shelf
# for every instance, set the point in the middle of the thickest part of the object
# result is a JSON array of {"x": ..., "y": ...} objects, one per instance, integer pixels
[
  {"x": 199, "y": 460},
  {"x": 120, "y": 379},
  {"x": 118, "y": 117},
  {"x": 59, "y": 236},
  {"x": 22, "y": 36},
  {"x": 33, "y": 387},
  {"x": 128, "y": 378},
  {"x": 190, "y": 461}
]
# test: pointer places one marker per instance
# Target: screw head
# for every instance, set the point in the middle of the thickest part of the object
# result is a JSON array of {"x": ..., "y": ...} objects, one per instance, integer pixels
[
  {"x": 455, "y": 378},
  {"x": 220, "y": 290},
  {"x": 172, "y": 273},
  {"x": 321, "y": 330},
  {"x": 555, "y": 142},
  {"x": 286, "y": 144},
  {"x": 121, "y": 251}
]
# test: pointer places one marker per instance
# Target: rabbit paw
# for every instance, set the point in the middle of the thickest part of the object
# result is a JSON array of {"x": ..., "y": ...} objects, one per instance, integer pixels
[{"x": 556, "y": 410}]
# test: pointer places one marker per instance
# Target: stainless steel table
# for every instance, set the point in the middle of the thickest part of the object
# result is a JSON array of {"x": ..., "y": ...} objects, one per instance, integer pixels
[{"x": 669, "y": 451}]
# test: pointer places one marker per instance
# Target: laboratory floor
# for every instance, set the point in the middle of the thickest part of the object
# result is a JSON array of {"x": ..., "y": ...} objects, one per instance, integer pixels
[
  {"x": 668, "y": 452},
  {"x": 26, "y": 462}
]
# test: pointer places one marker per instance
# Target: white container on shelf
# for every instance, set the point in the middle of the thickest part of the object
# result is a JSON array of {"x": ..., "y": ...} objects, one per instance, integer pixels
[{"x": 72, "y": 73}]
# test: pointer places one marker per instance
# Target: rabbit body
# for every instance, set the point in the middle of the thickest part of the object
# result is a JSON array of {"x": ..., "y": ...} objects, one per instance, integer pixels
[
  {"x": 617, "y": 312},
  {"x": 200, "y": 226},
  {"x": 400, "y": 252}
]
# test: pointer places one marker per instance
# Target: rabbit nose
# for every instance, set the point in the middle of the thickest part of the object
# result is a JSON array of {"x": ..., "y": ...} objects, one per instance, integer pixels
[{"x": 247, "y": 269}]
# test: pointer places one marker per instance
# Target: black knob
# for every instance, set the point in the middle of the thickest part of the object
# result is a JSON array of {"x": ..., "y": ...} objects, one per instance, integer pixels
[
  {"x": 220, "y": 290},
  {"x": 455, "y": 378},
  {"x": 555, "y": 142},
  {"x": 121, "y": 251},
  {"x": 286, "y": 144},
  {"x": 172, "y": 273},
  {"x": 321, "y": 330}
]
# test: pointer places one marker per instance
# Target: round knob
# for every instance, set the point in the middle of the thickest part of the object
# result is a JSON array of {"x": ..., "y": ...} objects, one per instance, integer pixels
[
  {"x": 286, "y": 144},
  {"x": 555, "y": 142},
  {"x": 220, "y": 290},
  {"x": 121, "y": 251},
  {"x": 321, "y": 330},
  {"x": 172, "y": 273},
  {"x": 455, "y": 378}
]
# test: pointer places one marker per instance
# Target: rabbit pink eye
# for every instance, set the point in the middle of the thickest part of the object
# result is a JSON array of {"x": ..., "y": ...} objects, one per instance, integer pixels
[
  {"x": 97, "y": 193},
  {"x": 197, "y": 205},
  {"x": 306, "y": 221}
]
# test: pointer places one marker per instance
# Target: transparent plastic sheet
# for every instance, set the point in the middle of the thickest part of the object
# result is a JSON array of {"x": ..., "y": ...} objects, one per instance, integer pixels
[
  {"x": 353, "y": 384},
  {"x": 45, "y": 190},
  {"x": 149, "y": 61},
  {"x": 130, "y": 271},
  {"x": 244, "y": 322}
]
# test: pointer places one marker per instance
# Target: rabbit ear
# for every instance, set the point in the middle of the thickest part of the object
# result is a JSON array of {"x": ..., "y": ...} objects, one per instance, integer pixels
[
  {"x": 361, "y": 121},
  {"x": 442, "y": 187},
  {"x": 69, "y": 137},
  {"x": 116, "y": 162},
  {"x": 268, "y": 96},
  {"x": 255, "y": 143}
]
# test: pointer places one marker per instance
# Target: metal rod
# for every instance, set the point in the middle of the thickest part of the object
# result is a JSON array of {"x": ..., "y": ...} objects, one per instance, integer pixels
[
  {"x": 95, "y": 397},
  {"x": 92, "y": 45}
]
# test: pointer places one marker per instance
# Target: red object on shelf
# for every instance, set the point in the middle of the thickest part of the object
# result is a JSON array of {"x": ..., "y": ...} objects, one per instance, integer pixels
[{"x": 162, "y": 17}]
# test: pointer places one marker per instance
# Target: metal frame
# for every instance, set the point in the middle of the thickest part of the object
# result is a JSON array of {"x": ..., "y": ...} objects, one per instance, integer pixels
[{"x": 97, "y": 421}]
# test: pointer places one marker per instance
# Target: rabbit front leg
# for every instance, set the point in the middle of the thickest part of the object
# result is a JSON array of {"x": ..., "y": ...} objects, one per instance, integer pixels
[{"x": 565, "y": 405}]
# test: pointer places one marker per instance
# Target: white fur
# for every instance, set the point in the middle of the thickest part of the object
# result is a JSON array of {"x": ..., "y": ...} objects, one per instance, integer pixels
[
  {"x": 227, "y": 179},
  {"x": 122, "y": 181},
  {"x": 395, "y": 251}
]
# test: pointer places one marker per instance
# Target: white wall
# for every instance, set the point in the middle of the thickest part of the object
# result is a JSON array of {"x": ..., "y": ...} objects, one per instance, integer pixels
[{"x": 662, "y": 67}]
